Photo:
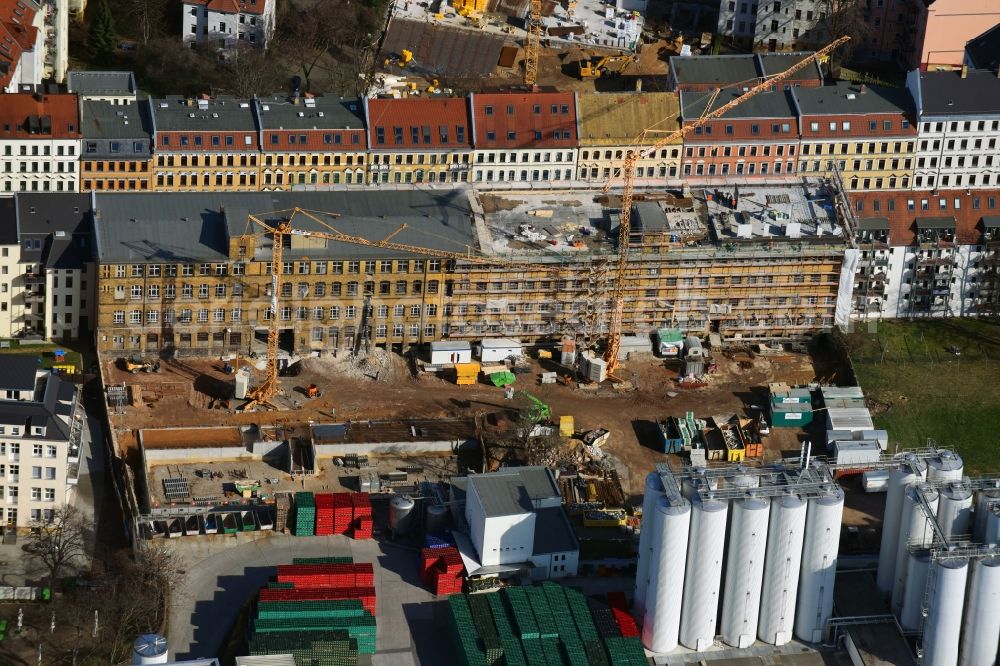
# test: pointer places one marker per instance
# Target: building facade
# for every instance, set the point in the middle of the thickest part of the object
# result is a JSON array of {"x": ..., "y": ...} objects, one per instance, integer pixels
[
  {"x": 419, "y": 140},
  {"x": 114, "y": 87},
  {"x": 774, "y": 25},
  {"x": 22, "y": 47},
  {"x": 228, "y": 24},
  {"x": 707, "y": 73},
  {"x": 39, "y": 143},
  {"x": 524, "y": 137},
  {"x": 117, "y": 149},
  {"x": 942, "y": 28}
]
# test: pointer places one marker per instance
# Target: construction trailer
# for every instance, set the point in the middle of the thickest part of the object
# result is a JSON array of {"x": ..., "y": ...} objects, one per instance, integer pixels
[
  {"x": 446, "y": 352},
  {"x": 498, "y": 350}
]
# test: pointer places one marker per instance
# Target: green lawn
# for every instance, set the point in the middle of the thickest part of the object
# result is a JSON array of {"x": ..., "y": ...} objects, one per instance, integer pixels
[
  {"x": 923, "y": 390},
  {"x": 46, "y": 352}
]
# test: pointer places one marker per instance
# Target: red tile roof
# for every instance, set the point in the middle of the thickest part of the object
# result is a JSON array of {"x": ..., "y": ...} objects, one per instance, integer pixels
[
  {"x": 29, "y": 116},
  {"x": 524, "y": 120},
  {"x": 16, "y": 36},
  {"x": 232, "y": 6},
  {"x": 903, "y": 221},
  {"x": 415, "y": 122}
]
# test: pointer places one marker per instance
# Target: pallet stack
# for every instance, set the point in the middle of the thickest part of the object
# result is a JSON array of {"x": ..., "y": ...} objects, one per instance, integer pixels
[
  {"x": 362, "y": 516},
  {"x": 343, "y": 513},
  {"x": 305, "y": 514},
  {"x": 324, "y": 514},
  {"x": 624, "y": 620},
  {"x": 330, "y": 648},
  {"x": 441, "y": 570}
]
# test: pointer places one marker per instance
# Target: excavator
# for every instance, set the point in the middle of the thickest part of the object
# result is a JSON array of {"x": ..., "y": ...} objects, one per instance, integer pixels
[{"x": 608, "y": 65}]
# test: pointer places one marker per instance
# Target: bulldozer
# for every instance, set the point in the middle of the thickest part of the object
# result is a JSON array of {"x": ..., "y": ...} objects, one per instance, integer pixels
[
  {"x": 135, "y": 365},
  {"x": 598, "y": 66}
]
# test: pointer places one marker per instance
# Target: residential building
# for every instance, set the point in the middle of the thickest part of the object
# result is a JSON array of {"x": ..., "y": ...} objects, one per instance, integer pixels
[
  {"x": 959, "y": 115},
  {"x": 524, "y": 137},
  {"x": 419, "y": 140},
  {"x": 927, "y": 253},
  {"x": 611, "y": 124},
  {"x": 190, "y": 272},
  {"x": 39, "y": 143},
  {"x": 868, "y": 134},
  {"x": 40, "y": 434},
  {"x": 204, "y": 144},
  {"x": 54, "y": 294},
  {"x": 758, "y": 139},
  {"x": 942, "y": 28},
  {"x": 775, "y": 25},
  {"x": 310, "y": 142},
  {"x": 22, "y": 46},
  {"x": 701, "y": 73},
  {"x": 228, "y": 24},
  {"x": 114, "y": 87},
  {"x": 890, "y": 26},
  {"x": 9, "y": 273},
  {"x": 516, "y": 524},
  {"x": 117, "y": 146}
]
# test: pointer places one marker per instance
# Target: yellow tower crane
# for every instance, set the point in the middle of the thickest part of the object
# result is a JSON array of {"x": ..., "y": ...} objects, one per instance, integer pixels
[
  {"x": 627, "y": 173},
  {"x": 533, "y": 42}
]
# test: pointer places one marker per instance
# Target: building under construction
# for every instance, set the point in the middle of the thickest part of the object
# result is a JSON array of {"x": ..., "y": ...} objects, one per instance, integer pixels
[{"x": 192, "y": 272}]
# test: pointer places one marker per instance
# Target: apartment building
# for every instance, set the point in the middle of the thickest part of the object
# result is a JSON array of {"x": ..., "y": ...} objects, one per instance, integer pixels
[
  {"x": 890, "y": 25},
  {"x": 114, "y": 87},
  {"x": 775, "y": 25},
  {"x": 419, "y": 140},
  {"x": 228, "y": 24},
  {"x": 40, "y": 434},
  {"x": 983, "y": 52},
  {"x": 187, "y": 273},
  {"x": 611, "y": 124},
  {"x": 943, "y": 28},
  {"x": 524, "y": 137},
  {"x": 204, "y": 144},
  {"x": 758, "y": 139},
  {"x": 927, "y": 253},
  {"x": 868, "y": 133},
  {"x": 117, "y": 150},
  {"x": 9, "y": 254},
  {"x": 701, "y": 73},
  {"x": 959, "y": 116},
  {"x": 39, "y": 143},
  {"x": 22, "y": 46},
  {"x": 310, "y": 142}
]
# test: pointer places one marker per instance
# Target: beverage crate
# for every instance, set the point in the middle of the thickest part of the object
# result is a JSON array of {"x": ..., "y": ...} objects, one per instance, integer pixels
[
  {"x": 431, "y": 541},
  {"x": 552, "y": 651},
  {"x": 524, "y": 617},
  {"x": 362, "y": 528},
  {"x": 466, "y": 638},
  {"x": 305, "y": 514},
  {"x": 361, "y": 505},
  {"x": 624, "y": 620},
  {"x": 625, "y": 652},
  {"x": 582, "y": 618},
  {"x": 324, "y": 514},
  {"x": 543, "y": 615},
  {"x": 482, "y": 616},
  {"x": 277, "y": 610},
  {"x": 442, "y": 582},
  {"x": 364, "y": 594},
  {"x": 604, "y": 619},
  {"x": 512, "y": 652},
  {"x": 596, "y": 654},
  {"x": 323, "y": 560}
]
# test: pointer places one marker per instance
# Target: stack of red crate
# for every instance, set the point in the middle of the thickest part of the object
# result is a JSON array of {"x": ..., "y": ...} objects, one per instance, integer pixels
[
  {"x": 624, "y": 620},
  {"x": 343, "y": 512},
  {"x": 324, "y": 514},
  {"x": 364, "y": 575},
  {"x": 365, "y": 594},
  {"x": 326, "y": 575},
  {"x": 362, "y": 516},
  {"x": 441, "y": 570}
]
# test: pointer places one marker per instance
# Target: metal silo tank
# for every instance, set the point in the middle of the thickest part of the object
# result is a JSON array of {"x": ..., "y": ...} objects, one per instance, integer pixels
[
  {"x": 819, "y": 566},
  {"x": 436, "y": 519},
  {"x": 981, "y": 630},
  {"x": 991, "y": 531},
  {"x": 662, "y": 620},
  {"x": 944, "y": 617},
  {"x": 652, "y": 494},
  {"x": 916, "y": 586},
  {"x": 150, "y": 649},
  {"x": 914, "y": 528},
  {"x": 401, "y": 515},
  {"x": 912, "y": 470},
  {"x": 706, "y": 546},
  {"x": 983, "y": 500},
  {"x": 743, "y": 480},
  {"x": 954, "y": 511},
  {"x": 786, "y": 531},
  {"x": 744, "y": 571},
  {"x": 945, "y": 466}
]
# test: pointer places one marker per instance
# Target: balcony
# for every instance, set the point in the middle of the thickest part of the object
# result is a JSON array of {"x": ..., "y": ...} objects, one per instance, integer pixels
[
  {"x": 34, "y": 279},
  {"x": 34, "y": 296}
]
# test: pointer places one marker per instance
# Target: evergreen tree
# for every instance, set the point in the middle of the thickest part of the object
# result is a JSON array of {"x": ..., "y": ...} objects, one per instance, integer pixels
[{"x": 101, "y": 38}]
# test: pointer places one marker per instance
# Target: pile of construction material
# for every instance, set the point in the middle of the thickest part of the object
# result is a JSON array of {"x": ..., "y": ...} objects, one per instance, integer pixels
[
  {"x": 326, "y": 514},
  {"x": 441, "y": 569}
]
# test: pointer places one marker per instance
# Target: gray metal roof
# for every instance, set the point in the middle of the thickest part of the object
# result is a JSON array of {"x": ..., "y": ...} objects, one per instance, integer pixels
[
  {"x": 511, "y": 491},
  {"x": 984, "y": 50},
  {"x": 221, "y": 114},
  {"x": 8, "y": 221},
  {"x": 844, "y": 97},
  {"x": 101, "y": 83},
  {"x": 43, "y": 413},
  {"x": 991, "y": 221},
  {"x": 323, "y": 112},
  {"x": 648, "y": 215},
  {"x": 17, "y": 371},
  {"x": 61, "y": 222},
  {"x": 873, "y": 224},
  {"x": 776, "y": 63},
  {"x": 720, "y": 69},
  {"x": 777, "y": 104},
  {"x": 104, "y": 120},
  {"x": 553, "y": 533},
  {"x": 936, "y": 222},
  {"x": 948, "y": 94}
]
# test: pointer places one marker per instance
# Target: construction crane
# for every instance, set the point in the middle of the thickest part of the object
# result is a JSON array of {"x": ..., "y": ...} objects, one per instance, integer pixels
[
  {"x": 532, "y": 42},
  {"x": 638, "y": 152},
  {"x": 262, "y": 393}
]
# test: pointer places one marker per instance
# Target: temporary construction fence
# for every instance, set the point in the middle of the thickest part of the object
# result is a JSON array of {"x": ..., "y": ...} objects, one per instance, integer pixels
[{"x": 546, "y": 625}]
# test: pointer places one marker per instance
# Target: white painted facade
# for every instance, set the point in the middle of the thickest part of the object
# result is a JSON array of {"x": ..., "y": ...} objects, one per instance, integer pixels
[
  {"x": 39, "y": 165},
  {"x": 499, "y": 539},
  {"x": 541, "y": 165},
  {"x": 69, "y": 301},
  {"x": 229, "y": 27},
  {"x": 774, "y": 24},
  {"x": 11, "y": 300}
]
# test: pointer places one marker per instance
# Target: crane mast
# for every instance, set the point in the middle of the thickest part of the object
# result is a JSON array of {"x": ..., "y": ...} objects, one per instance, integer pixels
[
  {"x": 532, "y": 42},
  {"x": 628, "y": 187}
]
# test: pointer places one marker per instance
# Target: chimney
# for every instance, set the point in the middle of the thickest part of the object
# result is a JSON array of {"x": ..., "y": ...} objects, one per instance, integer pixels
[{"x": 965, "y": 71}]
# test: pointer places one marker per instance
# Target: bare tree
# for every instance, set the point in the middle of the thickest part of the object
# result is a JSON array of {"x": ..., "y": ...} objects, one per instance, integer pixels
[
  {"x": 149, "y": 16},
  {"x": 55, "y": 544},
  {"x": 845, "y": 17},
  {"x": 250, "y": 71},
  {"x": 325, "y": 28}
]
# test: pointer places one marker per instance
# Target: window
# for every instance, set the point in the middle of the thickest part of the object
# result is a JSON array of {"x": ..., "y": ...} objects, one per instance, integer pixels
[{"x": 50, "y": 494}]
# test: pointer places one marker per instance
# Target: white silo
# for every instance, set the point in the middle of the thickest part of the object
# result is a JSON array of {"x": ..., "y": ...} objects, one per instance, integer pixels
[
  {"x": 914, "y": 528},
  {"x": 654, "y": 491},
  {"x": 150, "y": 649},
  {"x": 954, "y": 513},
  {"x": 706, "y": 546},
  {"x": 785, "y": 533},
  {"x": 944, "y": 618},
  {"x": 981, "y": 631},
  {"x": 991, "y": 531},
  {"x": 662, "y": 620},
  {"x": 984, "y": 498},
  {"x": 819, "y": 566},
  {"x": 945, "y": 466},
  {"x": 744, "y": 571},
  {"x": 911, "y": 470},
  {"x": 916, "y": 587},
  {"x": 745, "y": 480}
]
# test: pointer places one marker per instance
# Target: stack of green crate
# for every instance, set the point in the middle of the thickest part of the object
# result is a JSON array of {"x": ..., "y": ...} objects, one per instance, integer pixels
[
  {"x": 581, "y": 615},
  {"x": 482, "y": 619},
  {"x": 323, "y": 560},
  {"x": 543, "y": 614},
  {"x": 315, "y": 648},
  {"x": 466, "y": 637},
  {"x": 512, "y": 652},
  {"x": 524, "y": 617},
  {"x": 275, "y": 585},
  {"x": 277, "y": 610},
  {"x": 573, "y": 650},
  {"x": 305, "y": 514},
  {"x": 595, "y": 653},
  {"x": 361, "y": 628},
  {"x": 624, "y": 651}
]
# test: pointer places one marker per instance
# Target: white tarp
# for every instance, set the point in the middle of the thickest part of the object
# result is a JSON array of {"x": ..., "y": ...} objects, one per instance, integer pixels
[{"x": 845, "y": 294}]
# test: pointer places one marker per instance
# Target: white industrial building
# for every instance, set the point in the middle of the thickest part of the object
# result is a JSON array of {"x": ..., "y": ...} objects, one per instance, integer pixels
[
  {"x": 515, "y": 524},
  {"x": 769, "y": 577}
]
